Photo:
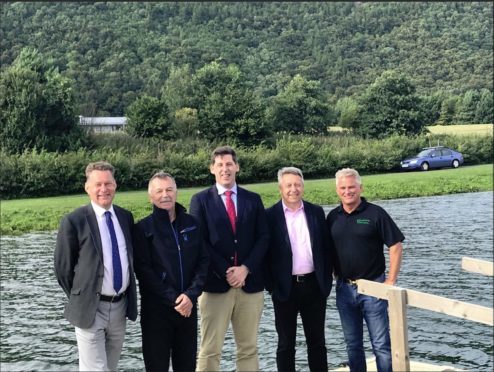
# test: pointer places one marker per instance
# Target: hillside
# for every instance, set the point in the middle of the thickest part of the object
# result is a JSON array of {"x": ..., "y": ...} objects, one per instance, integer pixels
[{"x": 117, "y": 51}]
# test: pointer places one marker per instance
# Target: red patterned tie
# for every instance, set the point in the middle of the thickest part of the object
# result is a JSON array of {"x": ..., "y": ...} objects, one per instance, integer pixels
[{"x": 230, "y": 208}]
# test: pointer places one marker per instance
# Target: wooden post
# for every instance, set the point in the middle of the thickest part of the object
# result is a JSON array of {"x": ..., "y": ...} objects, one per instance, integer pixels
[{"x": 398, "y": 324}]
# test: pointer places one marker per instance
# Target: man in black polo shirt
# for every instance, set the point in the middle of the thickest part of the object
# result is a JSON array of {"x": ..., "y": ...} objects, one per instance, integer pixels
[{"x": 359, "y": 230}]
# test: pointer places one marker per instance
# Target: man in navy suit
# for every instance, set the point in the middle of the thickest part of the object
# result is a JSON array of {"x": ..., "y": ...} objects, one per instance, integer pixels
[
  {"x": 235, "y": 233},
  {"x": 299, "y": 271},
  {"x": 94, "y": 267}
]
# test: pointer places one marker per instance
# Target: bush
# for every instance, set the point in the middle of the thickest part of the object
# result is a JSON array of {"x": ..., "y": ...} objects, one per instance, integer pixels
[{"x": 36, "y": 173}]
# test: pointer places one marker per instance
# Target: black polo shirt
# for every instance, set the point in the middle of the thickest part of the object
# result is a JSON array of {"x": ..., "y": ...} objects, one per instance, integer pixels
[{"x": 358, "y": 240}]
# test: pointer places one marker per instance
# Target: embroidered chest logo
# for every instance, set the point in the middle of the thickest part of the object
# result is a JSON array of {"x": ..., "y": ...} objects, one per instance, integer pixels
[{"x": 363, "y": 221}]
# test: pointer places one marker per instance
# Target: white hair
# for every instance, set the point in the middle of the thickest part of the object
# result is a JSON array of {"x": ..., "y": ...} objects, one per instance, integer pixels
[{"x": 347, "y": 172}]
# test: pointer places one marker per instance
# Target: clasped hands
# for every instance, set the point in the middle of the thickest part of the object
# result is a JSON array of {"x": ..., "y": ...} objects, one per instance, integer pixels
[
  {"x": 184, "y": 305},
  {"x": 235, "y": 276}
]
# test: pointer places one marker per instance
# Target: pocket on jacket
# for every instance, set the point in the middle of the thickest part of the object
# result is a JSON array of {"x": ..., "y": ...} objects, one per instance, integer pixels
[{"x": 75, "y": 291}]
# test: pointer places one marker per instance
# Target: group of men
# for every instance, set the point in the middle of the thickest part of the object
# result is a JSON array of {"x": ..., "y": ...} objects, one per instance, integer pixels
[{"x": 217, "y": 260}]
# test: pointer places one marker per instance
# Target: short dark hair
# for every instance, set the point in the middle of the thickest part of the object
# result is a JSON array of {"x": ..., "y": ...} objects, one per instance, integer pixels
[
  {"x": 100, "y": 166},
  {"x": 223, "y": 150}
]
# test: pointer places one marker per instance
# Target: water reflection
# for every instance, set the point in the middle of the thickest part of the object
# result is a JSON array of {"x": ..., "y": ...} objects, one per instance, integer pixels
[{"x": 439, "y": 231}]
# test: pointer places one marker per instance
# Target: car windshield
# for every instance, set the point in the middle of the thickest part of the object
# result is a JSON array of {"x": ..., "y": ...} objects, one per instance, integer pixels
[{"x": 423, "y": 153}]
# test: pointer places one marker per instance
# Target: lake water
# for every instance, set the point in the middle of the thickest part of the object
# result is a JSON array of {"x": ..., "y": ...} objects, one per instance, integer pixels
[{"x": 439, "y": 231}]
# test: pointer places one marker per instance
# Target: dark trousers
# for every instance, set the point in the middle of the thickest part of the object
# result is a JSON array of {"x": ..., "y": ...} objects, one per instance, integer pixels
[
  {"x": 165, "y": 334},
  {"x": 306, "y": 299}
]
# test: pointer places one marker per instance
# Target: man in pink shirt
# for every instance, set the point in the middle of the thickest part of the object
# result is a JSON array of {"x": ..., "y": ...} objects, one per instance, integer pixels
[{"x": 299, "y": 271}]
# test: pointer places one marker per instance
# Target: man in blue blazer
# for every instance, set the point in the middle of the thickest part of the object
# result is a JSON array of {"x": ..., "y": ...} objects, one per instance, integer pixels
[
  {"x": 235, "y": 233},
  {"x": 299, "y": 271},
  {"x": 94, "y": 267}
]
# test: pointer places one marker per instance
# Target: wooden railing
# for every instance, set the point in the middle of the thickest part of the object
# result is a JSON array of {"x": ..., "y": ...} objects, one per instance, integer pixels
[{"x": 398, "y": 299}]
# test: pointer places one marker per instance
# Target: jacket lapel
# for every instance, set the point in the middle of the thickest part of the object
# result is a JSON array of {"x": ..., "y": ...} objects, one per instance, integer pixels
[
  {"x": 94, "y": 230},
  {"x": 311, "y": 225},
  {"x": 280, "y": 217},
  {"x": 125, "y": 229}
]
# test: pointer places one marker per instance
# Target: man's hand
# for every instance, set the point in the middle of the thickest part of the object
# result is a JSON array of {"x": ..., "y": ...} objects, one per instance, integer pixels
[
  {"x": 236, "y": 275},
  {"x": 184, "y": 305}
]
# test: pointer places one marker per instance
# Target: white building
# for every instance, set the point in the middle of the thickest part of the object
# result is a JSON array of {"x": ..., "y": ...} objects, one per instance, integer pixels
[{"x": 102, "y": 124}]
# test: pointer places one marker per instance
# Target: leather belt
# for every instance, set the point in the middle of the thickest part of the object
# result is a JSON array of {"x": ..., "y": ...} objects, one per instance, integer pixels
[
  {"x": 302, "y": 277},
  {"x": 112, "y": 298}
]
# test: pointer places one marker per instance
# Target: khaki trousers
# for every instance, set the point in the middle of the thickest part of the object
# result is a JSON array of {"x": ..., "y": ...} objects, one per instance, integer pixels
[{"x": 217, "y": 310}]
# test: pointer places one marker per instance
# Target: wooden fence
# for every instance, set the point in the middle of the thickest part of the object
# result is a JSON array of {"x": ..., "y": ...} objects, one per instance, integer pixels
[{"x": 398, "y": 299}]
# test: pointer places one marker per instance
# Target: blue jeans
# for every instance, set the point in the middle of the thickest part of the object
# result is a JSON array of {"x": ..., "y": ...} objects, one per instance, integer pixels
[{"x": 353, "y": 309}]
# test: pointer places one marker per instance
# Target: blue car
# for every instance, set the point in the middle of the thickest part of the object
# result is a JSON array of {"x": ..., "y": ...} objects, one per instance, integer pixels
[{"x": 433, "y": 157}]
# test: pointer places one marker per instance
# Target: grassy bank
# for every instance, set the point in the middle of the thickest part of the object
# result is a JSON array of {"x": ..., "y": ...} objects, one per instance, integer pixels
[
  {"x": 463, "y": 129},
  {"x": 28, "y": 215}
]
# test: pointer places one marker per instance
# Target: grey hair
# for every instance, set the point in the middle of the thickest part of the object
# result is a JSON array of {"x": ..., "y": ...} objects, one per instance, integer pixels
[
  {"x": 162, "y": 175},
  {"x": 100, "y": 166},
  {"x": 290, "y": 170},
  {"x": 347, "y": 172}
]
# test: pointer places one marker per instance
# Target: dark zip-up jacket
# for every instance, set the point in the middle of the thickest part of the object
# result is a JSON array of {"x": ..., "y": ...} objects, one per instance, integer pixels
[{"x": 169, "y": 258}]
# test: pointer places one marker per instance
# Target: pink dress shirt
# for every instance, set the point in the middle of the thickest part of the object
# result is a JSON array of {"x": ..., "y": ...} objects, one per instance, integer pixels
[{"x": 298, "y": 232}]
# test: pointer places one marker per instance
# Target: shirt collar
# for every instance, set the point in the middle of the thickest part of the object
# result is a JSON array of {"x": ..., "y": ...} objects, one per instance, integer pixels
[
  {"x": 100, "y": 211},
  {"x": 363, "y": 204},
  {"x": 285, "y": 208},
  {"x": 221, "y": 189}
]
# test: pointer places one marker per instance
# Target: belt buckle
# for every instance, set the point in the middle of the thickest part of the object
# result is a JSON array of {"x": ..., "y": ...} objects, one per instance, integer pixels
[
  {"x": 352, "y": 282},
  {"x": 299, "y": 278}
]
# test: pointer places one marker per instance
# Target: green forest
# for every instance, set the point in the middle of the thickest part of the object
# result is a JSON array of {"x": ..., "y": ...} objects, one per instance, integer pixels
[
  {"x": 269, "y": 78},
  {"x": 116, "y": 52}
]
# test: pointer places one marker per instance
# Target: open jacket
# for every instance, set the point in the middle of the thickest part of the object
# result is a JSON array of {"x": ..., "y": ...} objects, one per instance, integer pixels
[{"x": 169, "y": 258}]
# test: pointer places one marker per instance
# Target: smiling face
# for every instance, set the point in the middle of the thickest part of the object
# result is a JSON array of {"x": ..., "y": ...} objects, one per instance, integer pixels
[
  {"x": 100, "y": 186},
  {"x": 349, "y": 190},
  {"x": 291, "y": 190},
  {"x": 163, "y": 193},
  {"x": 224, "y": 170}
]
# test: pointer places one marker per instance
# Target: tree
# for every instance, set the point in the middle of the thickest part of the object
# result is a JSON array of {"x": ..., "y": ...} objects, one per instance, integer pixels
[
  {"x": 484, "y": 110},
  {"x": 185, "y": 123},
  {"x": 148, "y": 117},
  {"x": 226, "y": 110},
  {"x": 347, "y": 111},
  {"x": 36, "y": 106},
  {"x": 448, "y": 109},
  {"x": 390, "y": 106},
  {"x": 300, "y": 108},
  {"x": 466, "y": 108}
]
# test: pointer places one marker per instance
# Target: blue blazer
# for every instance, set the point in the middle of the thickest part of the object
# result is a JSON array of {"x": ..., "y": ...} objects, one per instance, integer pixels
[
  {"x": 79, "y": 264},
  {"x": 279, "y": 257},
  {"x": 250, "y": 241}
]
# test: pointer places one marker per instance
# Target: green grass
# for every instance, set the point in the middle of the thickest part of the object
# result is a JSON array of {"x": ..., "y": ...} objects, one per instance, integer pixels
[
  {"x": 42, "y": 214},
  {"x": 454, "y": 129},
  {"x": 463, "y": 129}
]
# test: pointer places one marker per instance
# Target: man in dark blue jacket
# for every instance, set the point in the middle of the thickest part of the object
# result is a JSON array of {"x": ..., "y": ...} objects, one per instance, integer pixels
[
  {"x": 235, "y": 232},
  {"x": 171, "y": 266},
  {"x": 299, "y": 271}
]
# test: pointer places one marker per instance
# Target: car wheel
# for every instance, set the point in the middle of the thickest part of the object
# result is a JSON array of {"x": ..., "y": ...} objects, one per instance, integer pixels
[
  {"x": 456, "y": 163},
  {"x": 424, "y": 166}
]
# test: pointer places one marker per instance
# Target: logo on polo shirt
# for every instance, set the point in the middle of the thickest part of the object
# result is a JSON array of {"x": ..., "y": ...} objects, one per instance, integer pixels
[{"x": 363, "y": 221}]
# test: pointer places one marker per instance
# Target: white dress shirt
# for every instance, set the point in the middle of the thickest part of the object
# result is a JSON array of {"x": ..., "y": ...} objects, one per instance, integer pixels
[
  {"x": 104, "y": 232},
  {"x": 221, "y": 192}
]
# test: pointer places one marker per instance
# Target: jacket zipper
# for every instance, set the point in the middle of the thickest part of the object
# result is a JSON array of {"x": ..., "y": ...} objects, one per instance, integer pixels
[{"x": 179, "y": 258}]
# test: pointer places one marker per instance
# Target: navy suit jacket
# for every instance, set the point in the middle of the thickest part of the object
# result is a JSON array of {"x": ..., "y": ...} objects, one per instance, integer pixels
[
  {"x": 79, "y": 264},
  {"x": 250, "y": 241},
  {"x": 279, "y": 257}
]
